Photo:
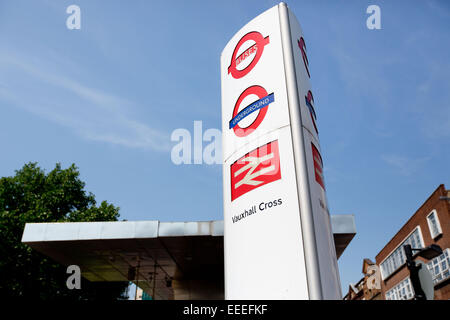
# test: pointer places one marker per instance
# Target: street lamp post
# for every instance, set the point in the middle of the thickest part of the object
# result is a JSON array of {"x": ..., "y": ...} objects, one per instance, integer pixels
[
  {"x": 429, "y": 252},
  {"x": 414, "y": 273}
]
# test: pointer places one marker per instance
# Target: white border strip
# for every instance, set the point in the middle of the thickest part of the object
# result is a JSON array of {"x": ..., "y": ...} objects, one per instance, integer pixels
[{"x": 301, "y": 168}]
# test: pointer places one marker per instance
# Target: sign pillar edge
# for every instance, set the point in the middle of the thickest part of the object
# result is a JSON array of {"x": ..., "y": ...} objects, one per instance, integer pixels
[{"x": 301, "y": 169}]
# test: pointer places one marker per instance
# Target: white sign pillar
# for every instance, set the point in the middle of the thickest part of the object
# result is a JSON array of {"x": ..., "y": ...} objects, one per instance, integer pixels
[{"x": 278, "y": 239}]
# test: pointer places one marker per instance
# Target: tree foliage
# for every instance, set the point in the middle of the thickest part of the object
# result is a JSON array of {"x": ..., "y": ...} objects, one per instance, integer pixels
[{"x": 34, "y": 196}]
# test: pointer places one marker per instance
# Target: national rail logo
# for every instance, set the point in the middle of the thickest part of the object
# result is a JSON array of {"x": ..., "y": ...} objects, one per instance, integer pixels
[
  {"x": 256, "y": 50},
  {"x": 318, "y": 166},
  {"x": 255, "y": 169}
]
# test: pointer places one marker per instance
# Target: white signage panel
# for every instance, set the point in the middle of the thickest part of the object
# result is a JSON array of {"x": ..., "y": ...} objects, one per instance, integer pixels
[
  {"x": 253, "y": 83},
  {"x": 278, "y": 240},
  {"x": 263, "y": 247},
  {"x": 302, "y": 73},
  {"x": 329, "y": 273}
]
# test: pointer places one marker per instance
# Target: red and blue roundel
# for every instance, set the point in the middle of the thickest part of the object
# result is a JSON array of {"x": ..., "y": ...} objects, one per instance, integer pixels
[
  {"x": 257, "y": 47},
  {"x": 309, "y": 99},
  {"x": 261, "y": 105}
]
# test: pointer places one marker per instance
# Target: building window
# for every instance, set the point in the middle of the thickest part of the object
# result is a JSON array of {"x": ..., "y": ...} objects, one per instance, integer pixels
[
  {"x": 397, "y": 258},
  {"x": 433, "y": 224},
  {"x": 440, "y": 267},
  {"x": 402, "y": 291}
]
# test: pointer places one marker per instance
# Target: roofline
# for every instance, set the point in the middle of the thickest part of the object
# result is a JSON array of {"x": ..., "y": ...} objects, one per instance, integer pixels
[{"x": 441, "y": 186}]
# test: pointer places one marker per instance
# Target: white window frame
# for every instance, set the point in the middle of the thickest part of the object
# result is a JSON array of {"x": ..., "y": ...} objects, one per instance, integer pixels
[
  {"x": 394, "y": 292},
  {"x": 439, "y": 262},
  {"x": 383, "y": 276},
  {"x": 438, "y": 224}
]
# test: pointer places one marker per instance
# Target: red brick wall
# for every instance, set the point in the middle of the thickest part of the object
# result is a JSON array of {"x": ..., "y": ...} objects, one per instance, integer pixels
[{"x": 442, "y": 208}]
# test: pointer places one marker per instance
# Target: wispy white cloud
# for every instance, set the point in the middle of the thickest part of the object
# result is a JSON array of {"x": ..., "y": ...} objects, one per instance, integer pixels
[
  {"x": 92, "y": 113},
  {"x": 404, "y": 165}
]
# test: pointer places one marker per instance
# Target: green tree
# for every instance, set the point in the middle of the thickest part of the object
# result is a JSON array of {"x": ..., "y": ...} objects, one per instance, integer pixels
[{"x": 34, "y": 196}]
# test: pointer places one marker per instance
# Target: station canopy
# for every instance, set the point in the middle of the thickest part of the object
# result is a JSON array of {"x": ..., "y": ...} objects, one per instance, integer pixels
[{"x": 168, "y": 260}]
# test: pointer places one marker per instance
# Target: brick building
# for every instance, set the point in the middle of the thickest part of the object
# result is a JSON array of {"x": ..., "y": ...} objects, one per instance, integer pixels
[
  {"x": 430, "y": 224},
  {"x": 368, "y": 287}
]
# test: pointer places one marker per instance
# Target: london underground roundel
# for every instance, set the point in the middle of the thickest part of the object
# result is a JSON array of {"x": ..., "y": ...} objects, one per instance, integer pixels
[
  {"x": 261, "y": 106},
  {"x": 257, "y": 48}
]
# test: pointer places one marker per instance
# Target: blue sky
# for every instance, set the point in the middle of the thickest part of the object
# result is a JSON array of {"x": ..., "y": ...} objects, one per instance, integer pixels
[{"x": 107, "y": 97}]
